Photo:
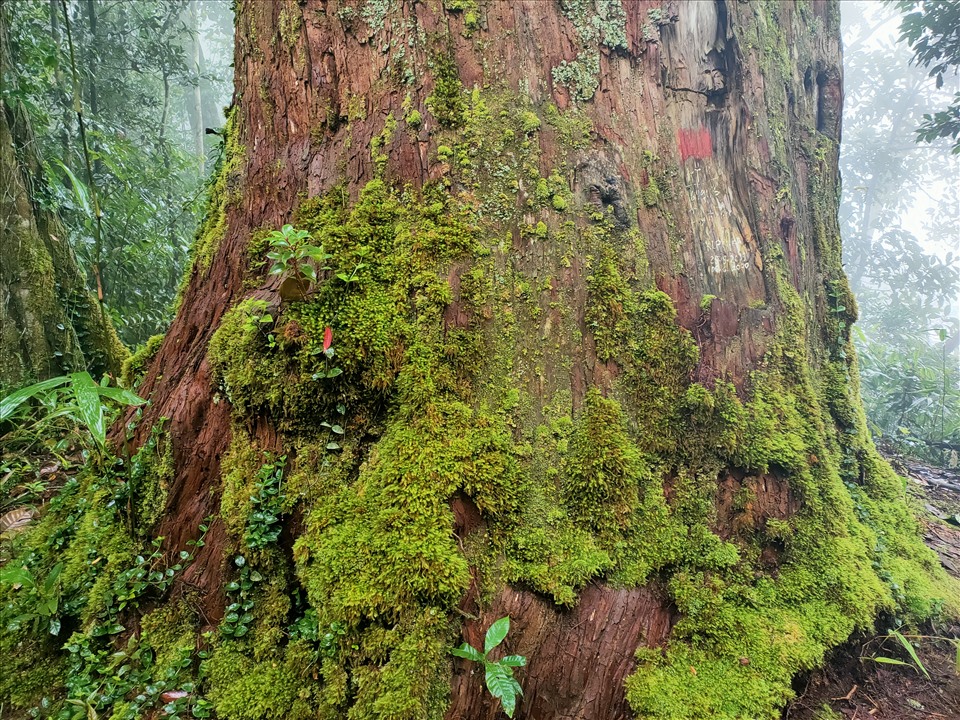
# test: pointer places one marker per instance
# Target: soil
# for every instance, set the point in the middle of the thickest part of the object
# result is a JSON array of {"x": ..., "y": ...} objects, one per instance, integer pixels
[{"x": 858, "y": 682}]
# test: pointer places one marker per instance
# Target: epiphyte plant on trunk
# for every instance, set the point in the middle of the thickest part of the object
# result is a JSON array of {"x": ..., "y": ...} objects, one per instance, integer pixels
[
  {"x": 498, "y": 673},
  {"x": 291, "y": 251}
]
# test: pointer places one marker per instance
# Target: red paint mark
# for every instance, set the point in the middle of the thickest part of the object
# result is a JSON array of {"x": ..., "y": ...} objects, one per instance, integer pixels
[{"x": 695, "y": 143}]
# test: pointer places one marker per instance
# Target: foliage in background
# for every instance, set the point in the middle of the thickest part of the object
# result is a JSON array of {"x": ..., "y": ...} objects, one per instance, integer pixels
[
  {"x": 76, "y": 396},
  {"x": 47, "y": 430},
  {"x": 899, "y": 216},
  {"x": 932, "y": 29},
  {"x": 137, "y": 83}
]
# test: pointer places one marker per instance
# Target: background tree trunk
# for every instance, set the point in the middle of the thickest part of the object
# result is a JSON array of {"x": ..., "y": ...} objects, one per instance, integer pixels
[
  {"x": 194, "y": 97},
  {"x": 50, "y": 323},
  {"x": 596, "y": 375}
]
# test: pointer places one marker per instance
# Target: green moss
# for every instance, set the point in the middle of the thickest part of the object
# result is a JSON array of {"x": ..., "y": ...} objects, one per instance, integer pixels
[
  {"x": 246, "y": 689},
  {"x": 446, "y": 102},
  {"x": 459, "y": 5},
  {"x": 150, "y": 474},
  {"x": 551, "y": 553},
  {"x": 414, "y": 119},
  {"x": 135, "y": 366},
  {"x": 743, "y": 635},
  {"x": 239, "y": 468},
  {"x": 573, "y": 127},
  {"x": 87, "y": 532},
  {"x": 171, "y": 633},
  {"x": 289, "y": 24},
  {"x": 439, "y": 338},
  {"x": 356, "y": 557},
  {"x": 650, "y": 194},
  {"x": 603, "y": 474},
  {"x": 32, "y": 669},
  {"x": 362, "y": 541},
  {"x": 529, "y": 121},
  {"x": 379, "y": 144},
  {"x": 222, "y": 193}
]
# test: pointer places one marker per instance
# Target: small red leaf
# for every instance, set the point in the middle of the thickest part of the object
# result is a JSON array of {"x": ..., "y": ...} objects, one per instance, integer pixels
[
  {"x": 327, "y": 339},
  {"x": 172, "y": 695}
]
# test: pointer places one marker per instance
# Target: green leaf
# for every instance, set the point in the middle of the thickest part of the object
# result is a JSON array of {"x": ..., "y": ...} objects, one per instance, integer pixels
[
  {"x": 513, "y": 661},
  {"x": 52, "y": 578},
  {"x": 14, "y": 400},
  {"x": 503, "y": 686},
  {"x": 79, "y": 189},
  {"x": 87, "y": 396},
  {"x": 496, "y": 633},
  {"x": 908, "y": 646},
  {"x": 121, "y": 395},
  {"x": 468, "y": 652},
  {"x": 17, "y": 576},
  {"x": 317, "y": 253},
  {"x": 890, "y": 661}
]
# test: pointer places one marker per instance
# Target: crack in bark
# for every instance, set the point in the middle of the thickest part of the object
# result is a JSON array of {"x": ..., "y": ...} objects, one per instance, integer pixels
[{"x": 690, "y": 90}]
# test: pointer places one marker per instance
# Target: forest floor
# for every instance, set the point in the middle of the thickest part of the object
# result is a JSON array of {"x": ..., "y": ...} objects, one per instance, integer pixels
[{"x": 859, "y": 682}]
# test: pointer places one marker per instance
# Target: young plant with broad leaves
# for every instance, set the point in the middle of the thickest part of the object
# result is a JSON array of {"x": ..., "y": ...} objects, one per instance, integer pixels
[
  {"x": 77, "y": 396},
  {"x": 498, "y": 673},
  {"x": 294, "y": 255}
]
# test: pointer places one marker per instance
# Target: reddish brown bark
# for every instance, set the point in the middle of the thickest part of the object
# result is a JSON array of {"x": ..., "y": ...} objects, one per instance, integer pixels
[{"x": 577, "y": 659}]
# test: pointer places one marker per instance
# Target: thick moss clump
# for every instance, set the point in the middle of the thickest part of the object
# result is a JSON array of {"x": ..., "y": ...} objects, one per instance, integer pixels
[{"x": 136, "y": 365}]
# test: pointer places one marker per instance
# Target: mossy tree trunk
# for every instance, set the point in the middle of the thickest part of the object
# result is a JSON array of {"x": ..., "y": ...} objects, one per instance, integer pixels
[
  {"x": 592, "y": 365},
  {"x": 50, "y": 323}
]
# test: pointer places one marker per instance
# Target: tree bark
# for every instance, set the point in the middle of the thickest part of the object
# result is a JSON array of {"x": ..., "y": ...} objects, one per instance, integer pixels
[{"x": 594, "y": 340}]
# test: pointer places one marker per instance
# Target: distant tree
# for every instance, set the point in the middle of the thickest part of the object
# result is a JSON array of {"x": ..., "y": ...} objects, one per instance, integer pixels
[
  {"x": 134, "y": 74},
  {"x": 932, "y": 28},
  {"x": 905, "y": 288},
  {"x": 50, "y": 323}
]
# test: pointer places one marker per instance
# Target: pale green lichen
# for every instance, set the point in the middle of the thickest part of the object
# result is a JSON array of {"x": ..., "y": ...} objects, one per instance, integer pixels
[{"x": 597, "y": 22}]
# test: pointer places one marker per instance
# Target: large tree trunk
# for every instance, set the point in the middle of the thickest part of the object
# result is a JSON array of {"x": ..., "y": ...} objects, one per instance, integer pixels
[{"x": 593, "y": 334}]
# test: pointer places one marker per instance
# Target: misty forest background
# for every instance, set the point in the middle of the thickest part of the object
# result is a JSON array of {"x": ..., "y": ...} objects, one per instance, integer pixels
[{"x": 152, "y": 78}]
